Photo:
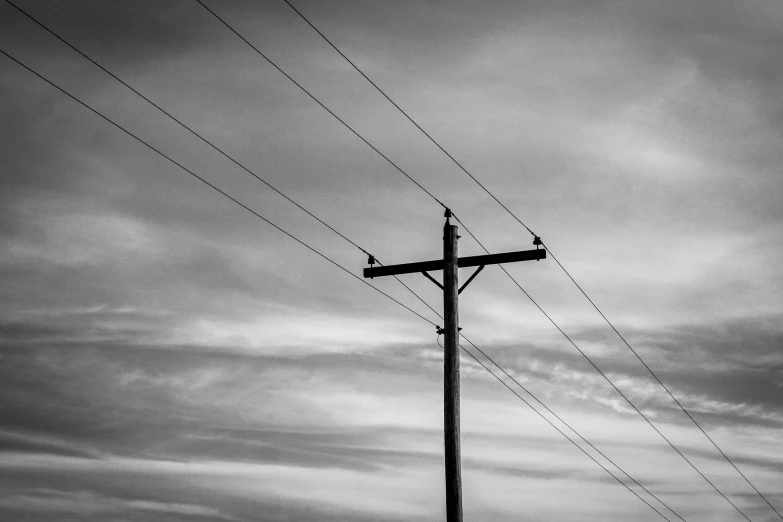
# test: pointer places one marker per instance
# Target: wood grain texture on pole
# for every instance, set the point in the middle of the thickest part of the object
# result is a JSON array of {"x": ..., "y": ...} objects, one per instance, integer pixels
[{"x": 451, "y": 395}]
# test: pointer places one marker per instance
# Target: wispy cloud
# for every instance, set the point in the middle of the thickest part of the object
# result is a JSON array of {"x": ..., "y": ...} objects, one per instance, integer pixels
[{"x": 163, "y": 355}]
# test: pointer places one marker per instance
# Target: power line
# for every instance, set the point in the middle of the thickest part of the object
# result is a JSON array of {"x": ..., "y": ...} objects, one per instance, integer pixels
[
  {"x": 568, "y": 425},
  {"x": 289, "y": 199},
  {"x": 316, "y": 100},
  {"x": 406, "y": 114},
  {"x": 608, "y": 379},
  {"x": 189, "y": 129},
  {"x": 567, "y": 437},
  {"x": 203, "y": 139},
  {"x": 548, "y": 409},
  {"x": 513, "y": 215},
  {"x": 256, "y": 214},
  {"x": 129, "y": 133},
  {"x": 662, "y": 384},
  {"x": 181, "y": 124},
  {"x": 472, "y": 235},
  {"x": 435, "y": 142}
]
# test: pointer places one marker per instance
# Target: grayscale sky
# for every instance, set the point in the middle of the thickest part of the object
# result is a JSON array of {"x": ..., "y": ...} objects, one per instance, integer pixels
[{"x": 165, "y": 355}]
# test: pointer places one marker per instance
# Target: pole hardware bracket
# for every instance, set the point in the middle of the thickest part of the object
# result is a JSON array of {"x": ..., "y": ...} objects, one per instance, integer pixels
[
  {"x": 425, "y": 274},
  {"x": 470, "y": 279}
]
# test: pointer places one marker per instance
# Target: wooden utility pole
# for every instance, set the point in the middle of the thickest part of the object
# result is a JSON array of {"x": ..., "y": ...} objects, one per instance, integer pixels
[
  {"x": 451, "y": 431},
  {"x": 451, "y": 290}
]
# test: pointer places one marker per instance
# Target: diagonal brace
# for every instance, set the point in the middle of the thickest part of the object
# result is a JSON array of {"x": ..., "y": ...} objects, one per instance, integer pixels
[
  {"x": 471, "y": 278},
  {"x": 432, "y": 279}
]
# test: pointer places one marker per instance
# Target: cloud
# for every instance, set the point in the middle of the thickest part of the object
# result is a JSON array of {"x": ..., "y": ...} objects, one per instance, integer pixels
[
  {"x": 166, "y": 356},
  {"x": 225, "y": 416},
  {"x": 81, "y": 504}
]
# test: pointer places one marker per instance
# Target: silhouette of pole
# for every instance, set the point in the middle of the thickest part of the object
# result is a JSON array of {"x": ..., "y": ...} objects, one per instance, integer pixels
[
  {"x": 451, "y": 432},
  {"x": 451, "y": 290}
]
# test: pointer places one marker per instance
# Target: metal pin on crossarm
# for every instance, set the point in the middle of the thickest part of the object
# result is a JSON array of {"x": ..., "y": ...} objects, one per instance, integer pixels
[{"x": 451, "y": 382}]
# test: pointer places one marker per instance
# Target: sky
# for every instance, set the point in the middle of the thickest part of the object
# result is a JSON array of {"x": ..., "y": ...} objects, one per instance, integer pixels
[{"x": 166, "y": 355}]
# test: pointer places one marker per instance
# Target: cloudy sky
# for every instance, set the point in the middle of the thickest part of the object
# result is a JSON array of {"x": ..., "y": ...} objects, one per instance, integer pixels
[{"x": 165, "y": 355}]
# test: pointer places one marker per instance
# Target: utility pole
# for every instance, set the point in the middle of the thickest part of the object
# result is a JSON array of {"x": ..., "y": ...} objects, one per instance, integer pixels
[
  {"x": 451, "y": 431},
  {"x": 451, "y": 290}
]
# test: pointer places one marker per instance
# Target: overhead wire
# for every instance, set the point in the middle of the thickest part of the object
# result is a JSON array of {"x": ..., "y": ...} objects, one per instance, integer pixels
[
  {"x": 253, "y": 174},
  {"x": 288, "y": 198},
  {"x": 404, "y": 113},
  {"x": 482, "y": 352},
  {"x": 205, "y": 140},
  {"x": 566, "y": 436},
  {"x": 203, "y": 180},
  {"x": 472, "y": 235},
  {"x": 513, "y": 215},
  {"x": 184, "y": 126},
  {"x": 622, "y": 337},
  {"x": 596, "y": 367},
  {"x": 554, "y": 257},
  {"x": 280, "y": 229},
  {"x": 327, "y": 109}
]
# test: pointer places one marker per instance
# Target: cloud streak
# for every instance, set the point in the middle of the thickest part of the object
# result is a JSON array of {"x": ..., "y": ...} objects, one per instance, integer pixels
[{"x": 163, "y": 357}]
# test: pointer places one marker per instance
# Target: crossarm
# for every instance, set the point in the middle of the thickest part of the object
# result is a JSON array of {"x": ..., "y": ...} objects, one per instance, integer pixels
[{"x": 464, "y": 262}]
